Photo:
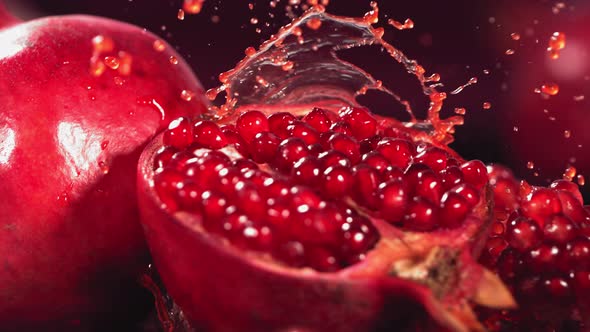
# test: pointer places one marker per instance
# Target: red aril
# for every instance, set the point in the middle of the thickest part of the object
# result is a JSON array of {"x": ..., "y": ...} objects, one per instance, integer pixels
[{"x": 81, "y": 96}]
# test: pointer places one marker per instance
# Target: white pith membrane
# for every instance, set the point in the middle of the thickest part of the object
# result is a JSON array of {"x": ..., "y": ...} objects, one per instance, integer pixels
[{"x": 438, "y": 266}]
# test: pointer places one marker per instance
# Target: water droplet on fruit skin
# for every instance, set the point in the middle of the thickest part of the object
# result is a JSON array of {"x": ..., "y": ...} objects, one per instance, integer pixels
[
  {"x": 187, "y": 95},
  {"x": 104, "y": 168},
  {"x": 104, "y": 145},
  {"x": 159, "y": 45},
  {"x": 173, "y": 60}
]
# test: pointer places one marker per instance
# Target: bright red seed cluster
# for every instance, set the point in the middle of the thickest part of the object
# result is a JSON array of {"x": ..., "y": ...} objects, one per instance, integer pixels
[
  {"x": 540, "y": 246},
  {"x": 297, "y": 185}
]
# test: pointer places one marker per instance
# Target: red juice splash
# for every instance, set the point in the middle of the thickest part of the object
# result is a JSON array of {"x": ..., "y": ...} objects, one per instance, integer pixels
[{"x": 299, "y": 67}]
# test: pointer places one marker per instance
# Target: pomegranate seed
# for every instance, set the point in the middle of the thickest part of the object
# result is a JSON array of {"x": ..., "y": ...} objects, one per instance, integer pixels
[
  {"x": 345, "y": 144},
  {"x": 544, "y": 258},
  {"x": 179, "y": 133},
  {"x": 559, "y": 229},
  {"x": 207, "y": 134},
  {"x": 166, "y": 184},
  {"x": 475, "y": 173},
  {"x": 213, "y": 207},
  {"x": 278, "y": 123},
  {"x": 543, "y": 203},
  {"x": 342, "y": 128},
  {"x": 189, "y": 196},
  {"x": 369, "y": 144},
  {"x": 433, "y": 157},
  {"x": 321, "y": 259},
  {"x": 375, "y": 160},
  {"x": 568, "y": 186},
  {"x": 304, "y": 131},
  {"x": 394, "y": 200},
  {"x": 366, "y": 183},
  {"x": 399, "y": 152},
  {"x": 307, "y": 171},
  {"x": 333, "y": 158},
  {"x": 557, "y": 287},
  {"x": 233, "y": 138},
  {"x": 291, "y": 253},
  {"x": 451, "y": 177},
  {"x": 421, "y": 215},
  {"x": 453, "y": 210},
  {"x": 578, "y": 254},
  {"x": 263, "y": 147},
  {"x": 337, "y": 181},
  {"x": 523, "y": 234},
  {"x": 289, "y": 151},
  {"x": 429, "y": 187},
  {"x": 581, "y": 283},
  {"x": 362, "y": 123},
  {"x": 257, "y": 237},
  {"x": 163, "y": 156},
  {"x": 251, "y": 123},
  {"x": 318, "y": 119},
  {"x": 468, "y": 192}
]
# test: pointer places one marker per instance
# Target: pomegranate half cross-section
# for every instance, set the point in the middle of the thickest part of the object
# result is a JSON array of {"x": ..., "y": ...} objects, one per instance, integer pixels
[{"x": 316, "y": 220}]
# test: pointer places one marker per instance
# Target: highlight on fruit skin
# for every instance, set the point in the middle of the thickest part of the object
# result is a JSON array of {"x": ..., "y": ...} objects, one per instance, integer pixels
[{"x": 323, "y": 212}]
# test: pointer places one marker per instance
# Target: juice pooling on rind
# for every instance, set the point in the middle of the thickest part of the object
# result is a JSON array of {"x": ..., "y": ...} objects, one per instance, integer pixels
[{"x": 376, "y": 223}]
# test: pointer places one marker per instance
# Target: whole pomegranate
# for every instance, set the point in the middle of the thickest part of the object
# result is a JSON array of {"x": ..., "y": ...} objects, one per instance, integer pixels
[{"x": 81, "y": 96}]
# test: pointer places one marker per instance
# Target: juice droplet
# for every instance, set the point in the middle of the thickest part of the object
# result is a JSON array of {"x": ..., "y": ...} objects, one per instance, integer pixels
[
  {"x": 579, "y": 98},
  {"x": 102, "y": 44},
  {"x": 581, "y": 180},
  {"x": 515, "y": 36},
  {"x": 119, "y": 80},
  {"x": 159, "y": 45},
  {"x": 570, "y": 173},
  {"x": 250, "y": 51},
  {"x": 173, "y": 60},
  {"x": 530, "y": 165},
  {"x": 104, "y": 145},
  {"x": 180, "y": 15},
  {"x": 287, "y": 66},
  {"x": 254, "y": 20},
  {"x": 372, "y": 16},
  {"x": 567, "y": 133},
  {"x": 486, "y": 105},
  {"x": 97, "y": 67},
  {"x": 460, "y": 111},
  {"x": 556, "y": 44},
  {"x": 408, "y": 24},
  {"x": 509, "y": 51},
  {"x": 314, "y": 24},
  {"x": 260, "y": 80},
  {"x": 433, "y": 78},
  {"x": 104, "y": 168},
  {"x": 193, "y": 6},
  {"x": 111, "y": 62},
  {"x": 471, "y": 81},
  {"x": 187, "y": 95},
  {"x": 550, "y": 89}
]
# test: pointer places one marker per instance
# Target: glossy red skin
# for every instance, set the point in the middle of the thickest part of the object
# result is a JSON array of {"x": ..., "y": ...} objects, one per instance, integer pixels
[{"x": 71, "y": 245}]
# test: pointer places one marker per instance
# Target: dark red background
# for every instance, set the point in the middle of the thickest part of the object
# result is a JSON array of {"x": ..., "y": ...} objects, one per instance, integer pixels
[{"x": 456, "y": 38}]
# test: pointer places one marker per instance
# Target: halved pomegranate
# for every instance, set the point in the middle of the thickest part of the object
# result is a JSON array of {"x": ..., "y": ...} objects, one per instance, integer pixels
[
  {"x": 540, "y": 246},
  {"x": 316, "y": 220}
]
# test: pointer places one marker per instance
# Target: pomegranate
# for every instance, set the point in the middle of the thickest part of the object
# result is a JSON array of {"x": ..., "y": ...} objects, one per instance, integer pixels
[
  {"x": 351, "y": 221},
  {"x": 540, "y": 246},
  {"x": 81, "y": 96}
]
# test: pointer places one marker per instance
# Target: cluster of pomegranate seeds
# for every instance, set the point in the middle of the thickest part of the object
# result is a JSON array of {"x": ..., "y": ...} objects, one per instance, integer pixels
[
  {"x": 540, "y": 246},
  {"x": 305, "y": 188}
]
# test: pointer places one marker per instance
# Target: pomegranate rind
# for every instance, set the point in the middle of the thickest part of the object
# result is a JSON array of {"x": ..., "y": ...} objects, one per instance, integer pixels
[{"x": 211, "y": 280}]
